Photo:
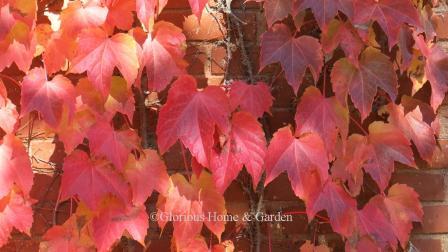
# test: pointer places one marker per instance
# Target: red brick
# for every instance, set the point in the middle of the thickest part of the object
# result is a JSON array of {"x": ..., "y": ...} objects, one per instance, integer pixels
[
  {"x": 45, "y": 187},
  {"x": 41, "y": 153},
  {"x": 39, "y": 127},
  {"x": 174, "y": 159},
  {"x": 280, "y": 118},
  {"x": 280, "y": 190},
  {"x": 45, "y": 190},
  {"x": 197, "y": 57},
  {"x": 175, "y": 17},
  {"x": 219, "y": 61},
  {"x": 440, "y": 158},
  {"x": 430, "y": 187},
  {"x": 441, "y": 26},
  {"x": 215, "y": 80},
  {"x": 250, "y": 26},
  {"x": 443, "y": 118},
  {"x": 235, "y": 193},
  {"x": 177, "y": 4},
  {"x": 207, "y": 29},
  {"x": 23, "y": 243},
  {"x": 427, "y": 244},
  {"x": 284, "y": 96},
  {"x": 434, "y": 220},
  {"x": 204, "y": 81},
  {"x": 298, "y": 225}
]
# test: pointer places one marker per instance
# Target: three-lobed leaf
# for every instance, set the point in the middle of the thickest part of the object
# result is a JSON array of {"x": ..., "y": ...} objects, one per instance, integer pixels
[
  {"x": 304, "y": 159},
  {"x": 362, "y": 82},
  {"x": 245, "y": 145},
  {"x": 98, "y": 55},
  {"x": 49, "y": 98},
  {"x": 295, "y": 55},
  {"x": 191, "y": 116}
]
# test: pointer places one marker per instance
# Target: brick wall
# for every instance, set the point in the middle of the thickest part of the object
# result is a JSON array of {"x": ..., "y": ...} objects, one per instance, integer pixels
[{"x": 207, "y": 56}]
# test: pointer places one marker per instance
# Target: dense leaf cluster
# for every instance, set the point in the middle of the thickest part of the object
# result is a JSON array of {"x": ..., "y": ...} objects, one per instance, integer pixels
[{"x": 327, "y": 154}]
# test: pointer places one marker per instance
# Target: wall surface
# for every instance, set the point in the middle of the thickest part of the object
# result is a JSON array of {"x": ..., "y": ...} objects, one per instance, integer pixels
[{"x": 207, "y": 57}]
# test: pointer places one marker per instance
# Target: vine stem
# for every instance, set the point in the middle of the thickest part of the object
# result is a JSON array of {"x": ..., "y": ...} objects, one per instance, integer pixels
[
  {"x": 359, "y": 125},
  {"x": 324, "y": 91},
  {"x": 55, "y": 211},
  {"x": 140, "y": 95},
  {"x": 4, "y": 76},
  {"x": 30, "y": 132},
  {"x": 273, "y": 80}
]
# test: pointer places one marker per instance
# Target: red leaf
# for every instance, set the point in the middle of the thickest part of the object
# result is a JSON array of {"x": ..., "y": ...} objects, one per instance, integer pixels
[
  {"x": 196, "y": 167},
  {"x": 7, "y": 21},
  {"x": 339, "y": 206},
  {"x": 198, "y": 199},
  {"x": 120, "y": 99},
  {"x": 77, "y": 17},
  {"x": 277, "y": 10},
  {"x": 8, "y": 113},
  {"x": 389, "y": 145},
  {"x": 196, "y": 244},
  {"x": 429, "y": 116},
  {"x": 191, "y": 116},
  {"x": 324, "y": 116},
  {"x": 436, "y": 70},
  {"x": 145, "y": 175},
  {"x": 58, "y": 50},
  {"x": 342, "y": 34},
  {"x": 294, "y": 54},
  {"x": 8, "y": 117},
  {"x": 114, "y": 219},
  {"x": 403, "y": 207},
  {"x": 163, "y": 54},
  {"x": 374, "y": 222},
  {"x": 15, "y": 166},
  {"x": 405, "y": 44},
  {"x": 120, "y": 13},
  {"x": 225, "y": 246},
  {"x": 374, "y": 71},
  {"x": 414, "y": 128},
  {"x": 19, "y": 54},
  {"x": 349, "y": 162},
  {"x": 48, "y": 97},
  {"x": 73, "y": 132},
  {"x": 390, "y": 15},
  {"x": 16, "y": 212},
  {"x": 245, "y": 145},
  {"x": 64, "y": 238},
  {"x": 98, "y": 55},
  {"x": 115, "y": 145},
  {"x": 197, "y": 6},
  {"x": 147, "y": 10},
  {"x": 91, "y": 180},
  {"x": 3, "y": 93},
  {"x": 304, "y": 159},
  {"x": 325, "y": 10},
  {"x": 255, "y": 99}
]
